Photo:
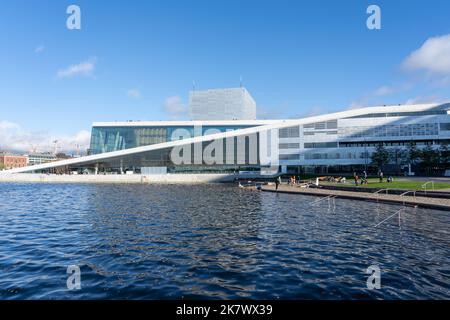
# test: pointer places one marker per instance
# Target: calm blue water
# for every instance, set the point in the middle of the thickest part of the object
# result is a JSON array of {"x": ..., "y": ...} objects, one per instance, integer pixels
[{"x": 213, "y": 241}]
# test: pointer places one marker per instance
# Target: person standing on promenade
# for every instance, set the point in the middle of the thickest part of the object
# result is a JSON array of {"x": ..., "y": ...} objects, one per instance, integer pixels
[
  {"x": 381, "y": 176},
  {"x": 277, "y": 182}
]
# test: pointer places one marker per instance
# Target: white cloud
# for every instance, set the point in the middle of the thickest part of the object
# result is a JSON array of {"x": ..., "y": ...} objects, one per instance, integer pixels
[
  {"x": 39, "y": 49},
  {"x": 384, "y": 91},
  {"x": 175, "y": 108},
  {"x": 433, "y": 57},
  {"x": 84, "y": 68},
  {"x": 14, "y": 138},
  {"x": 6, "y": 125},
  {"x": 134, "y": 93},
  {"x": 425, "y": 99},
  {"x": 381, "y": 92},
  {"x": 361, "y": 103},
  {"x": 392, "y": 89},
  {"x": 315, "y": 111}
]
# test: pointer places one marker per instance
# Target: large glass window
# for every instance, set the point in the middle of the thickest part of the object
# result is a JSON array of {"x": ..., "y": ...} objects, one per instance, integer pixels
[
  {"x": 291, "y": 132},
  {"x": 107, "y": 139},
  {"x": 332, "y": 124},
  {"x": 289, "y": 156},
  {"x": 311, "y": 145},
  {"x": 400, "y": 130},
  {"x": 289, "y": 145}
]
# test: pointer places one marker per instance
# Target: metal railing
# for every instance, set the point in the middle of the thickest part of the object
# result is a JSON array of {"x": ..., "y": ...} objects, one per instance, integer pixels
[
  {"x": 324, "y": 198},
  {"x": 398, "y": 212},
  {"x": 402, "y": 196},
  {"x": 331, "y": 200},
  {"x": 379, "y": 191},
  {"x": 424, "y": 186}
]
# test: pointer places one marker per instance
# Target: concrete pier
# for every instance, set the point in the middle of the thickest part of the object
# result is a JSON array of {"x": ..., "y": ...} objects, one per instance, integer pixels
[
  {"x": 117, "y": 178},
  {"x": 407, "y": 200}
]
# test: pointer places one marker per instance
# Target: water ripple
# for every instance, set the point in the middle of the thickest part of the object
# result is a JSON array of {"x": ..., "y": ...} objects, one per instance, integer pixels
[{"x": 215, "y": 242}]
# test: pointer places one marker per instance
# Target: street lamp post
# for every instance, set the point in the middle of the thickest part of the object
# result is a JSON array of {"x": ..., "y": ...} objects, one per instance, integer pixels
[{"x": 365, "y": 155}]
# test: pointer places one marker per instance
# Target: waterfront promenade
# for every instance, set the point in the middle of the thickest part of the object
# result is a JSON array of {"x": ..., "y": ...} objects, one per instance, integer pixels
[
  {"x": 408, "y": 199},
  {"x": 116, "y": 178}
]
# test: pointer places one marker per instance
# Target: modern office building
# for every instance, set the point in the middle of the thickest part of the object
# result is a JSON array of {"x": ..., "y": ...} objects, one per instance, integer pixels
[
  {"x": 331, "y": 143},
  {"x": 40, "y": 158},
  {"x": 222, "y": 104}
]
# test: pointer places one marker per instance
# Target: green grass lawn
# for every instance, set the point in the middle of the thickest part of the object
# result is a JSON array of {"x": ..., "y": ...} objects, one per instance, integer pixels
[{"x": 399, "y": 183}]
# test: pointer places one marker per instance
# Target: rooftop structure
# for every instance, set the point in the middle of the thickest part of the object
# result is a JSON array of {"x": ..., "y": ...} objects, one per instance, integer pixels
[{"x": 222, "y": 104}]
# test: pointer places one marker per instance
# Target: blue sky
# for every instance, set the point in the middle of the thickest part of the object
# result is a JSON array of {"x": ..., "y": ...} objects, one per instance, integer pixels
[{"x": 138, "y": 59}]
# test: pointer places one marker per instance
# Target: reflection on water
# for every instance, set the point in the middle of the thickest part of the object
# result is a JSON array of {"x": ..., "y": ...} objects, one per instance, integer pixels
[{"x": 213, "y": 241}]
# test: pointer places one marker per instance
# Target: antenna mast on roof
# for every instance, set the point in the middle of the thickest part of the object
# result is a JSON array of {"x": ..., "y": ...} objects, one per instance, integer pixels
[
  {"x": 240, "y": 81},
  {"x": 55, "y": 151},
  {"x": 193, "y": 85}
]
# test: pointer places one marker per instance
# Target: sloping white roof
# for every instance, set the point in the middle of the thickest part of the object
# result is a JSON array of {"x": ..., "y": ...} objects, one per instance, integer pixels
[
  {"x": 247, "y": 131},
  {"x": 183, "y": 123}
]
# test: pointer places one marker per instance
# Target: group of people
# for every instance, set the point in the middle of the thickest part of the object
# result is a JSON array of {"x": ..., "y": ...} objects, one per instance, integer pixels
[
  {"x": 360, "y": 179},
  {"x": 336, "y": 179},
  {"x": 381, "y": 176},
  {"x": 292, "y": 181}
]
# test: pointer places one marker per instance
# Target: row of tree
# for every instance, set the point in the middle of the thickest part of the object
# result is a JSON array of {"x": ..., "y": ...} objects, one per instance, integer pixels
[{"x": 428, "y": 159}]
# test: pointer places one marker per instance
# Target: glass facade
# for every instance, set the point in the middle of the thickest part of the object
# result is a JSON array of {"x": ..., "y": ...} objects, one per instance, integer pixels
[
  {"x": 400, "y": 114},
  {"x": 242, "y": 159},
  {"x": 313, "y": 145},
  {"x": 333, "y": 156},
  {"x": 289, "y": 145},
  {"x": 107, "y": 139},
  {"x": 321, "y": 125},
  {"x": 400, "y": 130}
]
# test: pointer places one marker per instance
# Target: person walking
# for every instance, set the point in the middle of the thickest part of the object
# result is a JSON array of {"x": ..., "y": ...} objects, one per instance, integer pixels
[
  {"x": 381, "y": 176},
  {"x": 277, "y": 182}
]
